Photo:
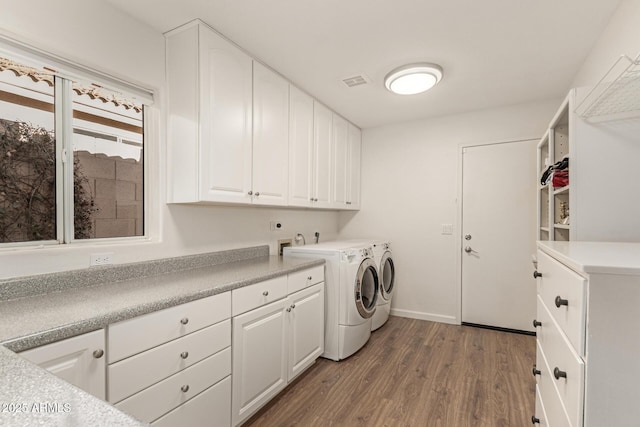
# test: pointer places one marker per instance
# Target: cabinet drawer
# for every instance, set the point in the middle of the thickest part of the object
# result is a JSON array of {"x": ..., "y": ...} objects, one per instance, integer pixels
[
  {"x": 209, "y": 408},
  {"x": 140, "y": 371},
  {"x": 554, "y": 411},
  {"x": 253, "y": 296},
  {"x": 559, "y": 354},
  {"x": 305, "y": 278},
  {"x": 135, "y": 335},
  {"x": 540, "y": 413},
  {"x": 153, "y": 402},
  {"x": 560, "y": 283}
]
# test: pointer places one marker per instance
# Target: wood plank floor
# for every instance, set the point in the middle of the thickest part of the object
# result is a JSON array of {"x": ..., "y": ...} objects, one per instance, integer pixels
[{"x": 415, "y": 373}]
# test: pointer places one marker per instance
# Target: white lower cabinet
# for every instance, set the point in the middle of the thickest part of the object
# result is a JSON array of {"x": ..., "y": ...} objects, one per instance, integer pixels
[
  {"x": 259, "y": 358},
  {"x": 182, "y": 375},
  {"x": 79, "y": 360},
  {"x": 274, "y": 343},
  {"x": 588, "y": 334}
]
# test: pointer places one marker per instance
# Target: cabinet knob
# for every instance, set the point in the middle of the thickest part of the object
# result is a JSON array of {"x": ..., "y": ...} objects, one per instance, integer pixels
[
  {"x": 257, "y": 193},
  {"x": 310, "y": 278},
  {"x": 311, "y": 199},
  {"x": 98, "y": 353},
  {"x": 184, "y": 354},
  {"x": 536, "y": 323},
  {"x": 561, "y": 302},
  {"x": 288, "y": 309},
  {"x": 184, "y": 320},
  {"x": 185, "y": 388},
  {"x": 315, "y": 200},
  {"x": 558, "y": 373},
  {"x": 535, "y": 371},
  {"x": 293, "y": 306},
  {"x": 265, "y": 293},
  {"x": 535, "y": 420},
  {"x": 250, "y": 192},
  {"x": 536, "y": 274}
]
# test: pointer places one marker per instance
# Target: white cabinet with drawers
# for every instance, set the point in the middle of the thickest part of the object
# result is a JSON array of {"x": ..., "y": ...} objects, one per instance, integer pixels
[
  {"x": 588, "y": 335},
  {"x": 170, "y": 364},
  {"x": 278, "y": 332}
]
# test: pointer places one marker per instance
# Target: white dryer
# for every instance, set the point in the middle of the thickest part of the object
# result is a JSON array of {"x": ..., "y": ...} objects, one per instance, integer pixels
[
  {"x": 351, "y": 293},
  {"x": 387, "y": 275}
]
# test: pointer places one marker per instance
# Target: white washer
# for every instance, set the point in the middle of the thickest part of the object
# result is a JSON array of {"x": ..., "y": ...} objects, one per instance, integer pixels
[
  {"x": 386, "y": 275},
  {"x": 351, "y": 293}
]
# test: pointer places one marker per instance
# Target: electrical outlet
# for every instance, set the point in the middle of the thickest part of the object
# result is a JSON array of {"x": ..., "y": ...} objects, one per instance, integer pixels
[
  {"x": 101, "y": 259},
  {"x": 276, "y": 226}
]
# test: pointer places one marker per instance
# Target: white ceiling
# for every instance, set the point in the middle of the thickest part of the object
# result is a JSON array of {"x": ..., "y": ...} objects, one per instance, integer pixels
[{"x": 494, "y": 52}]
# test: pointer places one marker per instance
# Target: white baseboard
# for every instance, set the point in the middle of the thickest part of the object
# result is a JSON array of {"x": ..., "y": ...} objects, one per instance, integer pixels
[{"x": 425, "y": 316}]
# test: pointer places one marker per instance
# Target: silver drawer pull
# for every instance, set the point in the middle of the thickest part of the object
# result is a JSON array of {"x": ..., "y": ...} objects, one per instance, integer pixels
[
  {"x": 185, "y": 388},
  {"x": 558, "y": 373},
  {"x": 184, "y": 320},
  {"x": 560, "y": 302},
  {"x": 98, "y": 353},
  {"x": 184, "y": 354},
  {"x": 265, "y": 293}
]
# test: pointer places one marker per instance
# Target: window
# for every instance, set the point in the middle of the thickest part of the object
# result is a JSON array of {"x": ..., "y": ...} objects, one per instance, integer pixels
[{"x": 71, "y": 157}]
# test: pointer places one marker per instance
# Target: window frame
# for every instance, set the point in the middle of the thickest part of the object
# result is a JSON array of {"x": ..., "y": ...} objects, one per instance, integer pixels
[{"x": 65, "y": 73}]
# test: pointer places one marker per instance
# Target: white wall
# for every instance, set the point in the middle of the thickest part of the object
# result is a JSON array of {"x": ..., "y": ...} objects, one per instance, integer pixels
[
  {"x": 94, "y": 34},
  {"x": 409, "y": 189},
  {"x": 620, "y": 37}
]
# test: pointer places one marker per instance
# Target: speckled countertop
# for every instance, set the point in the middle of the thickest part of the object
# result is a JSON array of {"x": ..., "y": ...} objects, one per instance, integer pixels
[{"x": 61, "y": 306}]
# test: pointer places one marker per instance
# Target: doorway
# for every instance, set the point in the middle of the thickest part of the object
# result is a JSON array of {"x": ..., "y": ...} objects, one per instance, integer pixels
[{"x": 498, "y": 235}]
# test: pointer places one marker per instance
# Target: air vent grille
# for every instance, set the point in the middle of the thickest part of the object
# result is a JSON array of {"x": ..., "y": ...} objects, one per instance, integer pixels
[{"x": 358, "y": 80}]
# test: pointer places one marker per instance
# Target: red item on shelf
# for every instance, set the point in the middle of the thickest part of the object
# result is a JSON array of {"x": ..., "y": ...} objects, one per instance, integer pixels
[{"x": 560, "y": 178}]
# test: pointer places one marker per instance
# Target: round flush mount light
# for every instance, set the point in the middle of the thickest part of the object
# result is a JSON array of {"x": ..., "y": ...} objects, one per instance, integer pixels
[{"x": 413, "y": 78}]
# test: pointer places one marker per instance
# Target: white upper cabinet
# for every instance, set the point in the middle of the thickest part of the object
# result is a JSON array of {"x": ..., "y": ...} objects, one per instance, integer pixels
[
  {"x": 353, "y": 177},
  {"x": 237, "y": 132},
  {"x": 322, "y": 155},
  {"x": 301, "y": 153},
  {"x": 270, "y": 137},
  {"x": 340, "y": 161},
  {"x": 210, "y": 90}
]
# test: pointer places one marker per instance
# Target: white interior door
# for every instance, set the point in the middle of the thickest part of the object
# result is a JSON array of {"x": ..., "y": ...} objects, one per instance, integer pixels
[{"x": 498, "y": 234}]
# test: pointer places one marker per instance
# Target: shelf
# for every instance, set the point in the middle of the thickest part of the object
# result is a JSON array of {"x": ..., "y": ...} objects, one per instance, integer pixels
[
  {"x": 545, "y": 229},
  {"x": 562, "y": 227},
  {"x": 617, "y": 94},
  {"x": 561, "y": 190}
]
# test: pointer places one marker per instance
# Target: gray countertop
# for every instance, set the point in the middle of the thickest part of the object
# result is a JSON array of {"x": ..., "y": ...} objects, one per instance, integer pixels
[{"x": 33, "y": 320}]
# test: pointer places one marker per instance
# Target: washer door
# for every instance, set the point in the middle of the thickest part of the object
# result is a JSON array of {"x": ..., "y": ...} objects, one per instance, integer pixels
[
  {"x": 387, "y": 275},
  {"x": 366, "y": 288}
]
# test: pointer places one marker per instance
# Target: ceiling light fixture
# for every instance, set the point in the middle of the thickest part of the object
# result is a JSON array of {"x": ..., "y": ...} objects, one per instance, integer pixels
[{"x": 413, "y": 78}]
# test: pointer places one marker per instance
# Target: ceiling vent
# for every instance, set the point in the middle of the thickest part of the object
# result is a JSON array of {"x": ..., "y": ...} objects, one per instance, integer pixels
[{"x": 358, "y": 80}]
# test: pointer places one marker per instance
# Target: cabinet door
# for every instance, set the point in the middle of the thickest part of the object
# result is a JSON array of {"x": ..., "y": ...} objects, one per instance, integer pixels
[
  {"x": 225, "y": 120},
  {"x": 355, "y": 149},
  {"x": 259, "y": 358},
  {"x": 323, "y": 161},
  {"x": 270, "y": 137},
  {"x": 300, "y": 148},
  {"x": 306, "y": 328},
  {"x": 340, "y": 160},
  {"x": 79, "y": 360}
]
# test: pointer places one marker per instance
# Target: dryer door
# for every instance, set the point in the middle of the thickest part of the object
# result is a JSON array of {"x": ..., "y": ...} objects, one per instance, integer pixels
[
  {"x": 366, "y": 288},
  {"x": 387, "y": 275}
]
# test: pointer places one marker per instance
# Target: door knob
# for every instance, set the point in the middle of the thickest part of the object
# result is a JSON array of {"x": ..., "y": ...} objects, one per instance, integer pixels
[{"x": 468, "y": 249}]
